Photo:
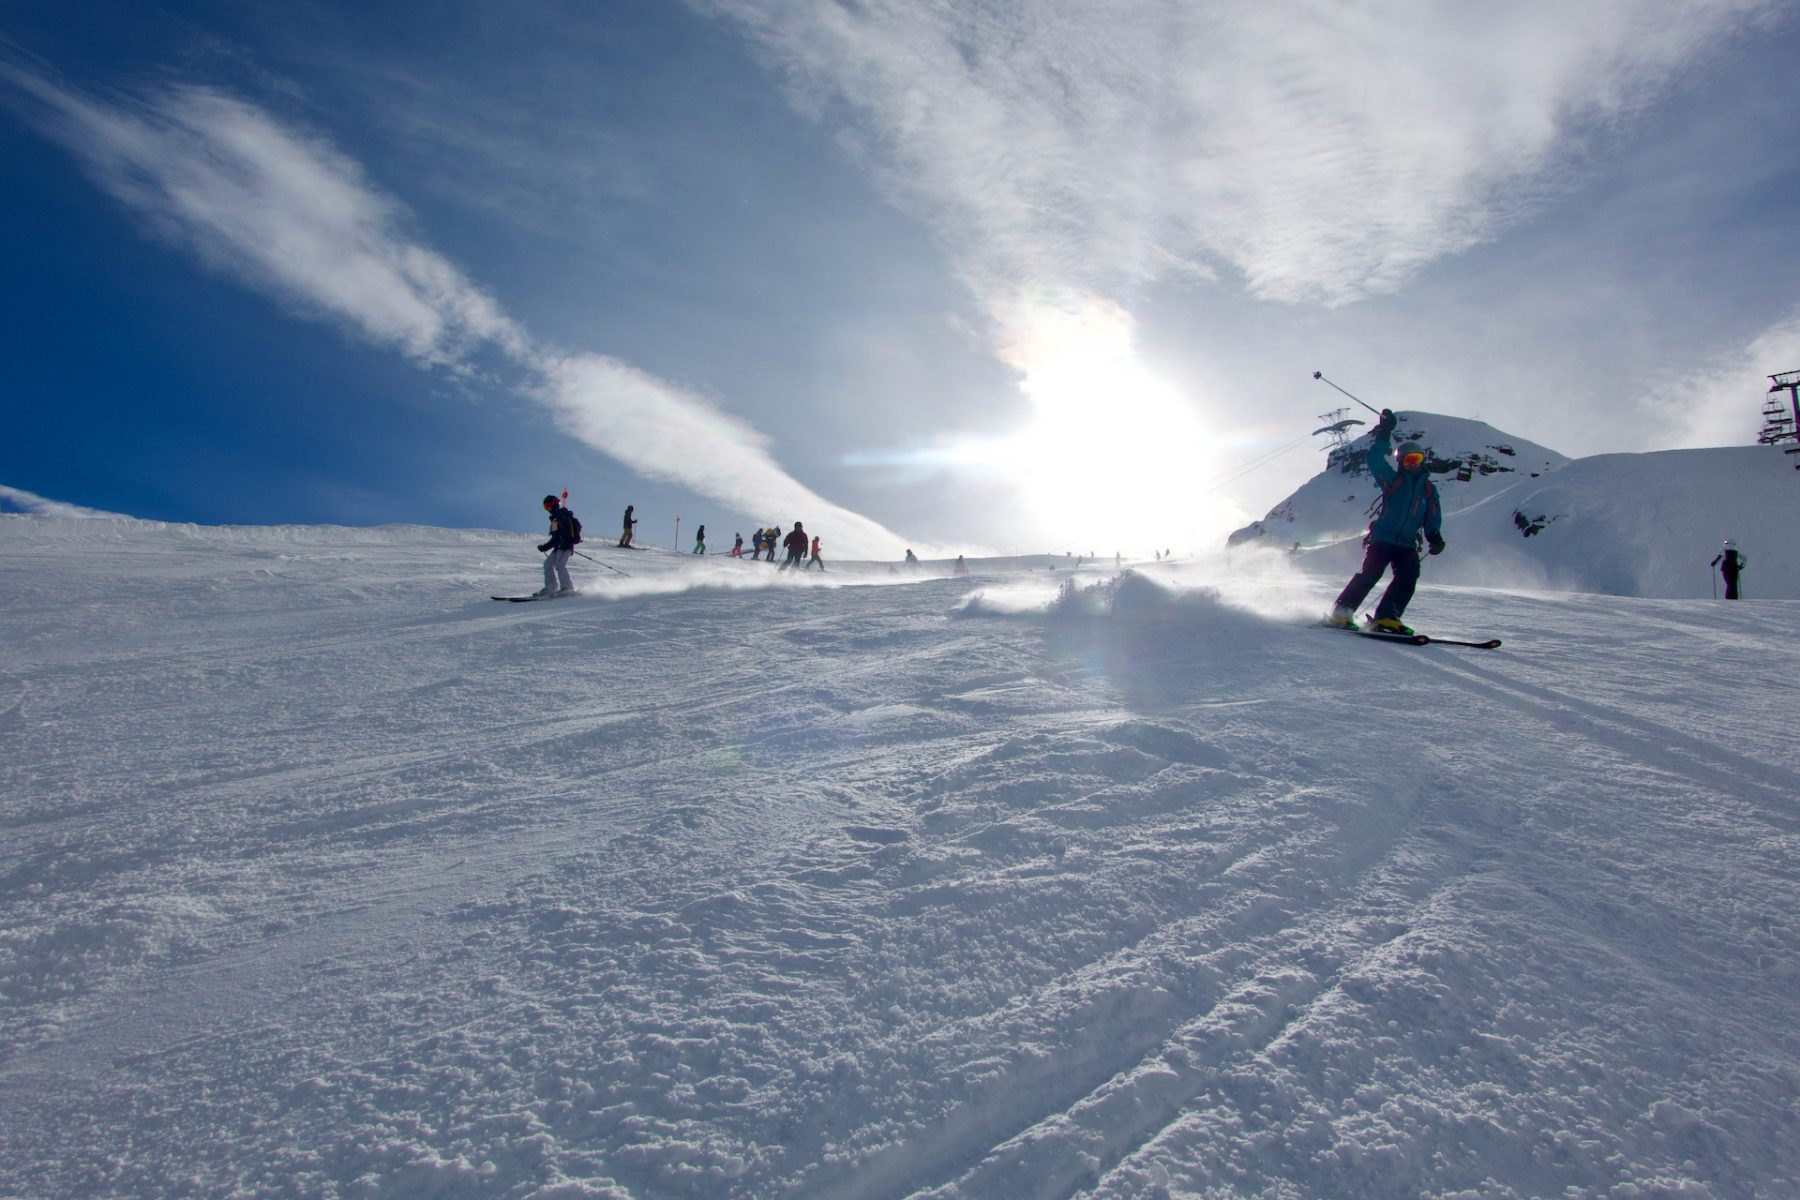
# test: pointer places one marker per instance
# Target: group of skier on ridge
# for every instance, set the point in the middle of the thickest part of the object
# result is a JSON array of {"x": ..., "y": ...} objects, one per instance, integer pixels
[
  {"x": 565, "y": 534},
  {"x": 794, "y": 543},
  {"x": 1408, "y": 514}
]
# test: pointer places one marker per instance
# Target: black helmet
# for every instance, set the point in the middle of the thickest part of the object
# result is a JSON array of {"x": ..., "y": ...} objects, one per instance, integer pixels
[{"x": 550, "y": 500}]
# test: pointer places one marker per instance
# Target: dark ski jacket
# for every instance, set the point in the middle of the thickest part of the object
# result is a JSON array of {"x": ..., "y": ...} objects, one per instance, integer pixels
[
  {"x": 1409, "y": 502},
  {"x": 795, "y": 542},
  {"x": 562, "y": 530},
  {"x": 1729, "y": 564}
]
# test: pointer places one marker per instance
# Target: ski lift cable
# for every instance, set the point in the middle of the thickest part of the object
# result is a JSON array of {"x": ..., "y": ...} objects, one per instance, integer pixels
[{"x": 1253, "y": 465}]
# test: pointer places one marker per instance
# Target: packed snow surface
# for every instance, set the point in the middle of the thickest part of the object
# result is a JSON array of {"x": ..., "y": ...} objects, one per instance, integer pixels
[{"x": 325, "y": 875}]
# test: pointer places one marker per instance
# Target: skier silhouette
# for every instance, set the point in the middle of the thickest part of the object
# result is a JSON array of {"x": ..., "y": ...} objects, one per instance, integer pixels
[
  {"x": 1730, "y": 563},
  {"x": 1408, "y": 508}
]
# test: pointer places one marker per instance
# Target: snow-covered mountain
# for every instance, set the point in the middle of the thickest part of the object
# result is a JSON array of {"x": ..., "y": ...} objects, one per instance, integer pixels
[
  {"x": 1519, "y": 515},
  {"x": 324, "y": 875}
]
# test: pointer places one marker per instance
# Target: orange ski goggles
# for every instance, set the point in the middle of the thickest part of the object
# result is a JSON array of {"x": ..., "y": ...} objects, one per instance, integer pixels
[{"x": 1415, "y": 459}]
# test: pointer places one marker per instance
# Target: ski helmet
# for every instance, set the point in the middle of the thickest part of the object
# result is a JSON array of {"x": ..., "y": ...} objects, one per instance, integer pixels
[
  {"x": 549, "y": 499},
  {"x": 1410, "y": 448},
  {"x": 1731, "y": 543}
]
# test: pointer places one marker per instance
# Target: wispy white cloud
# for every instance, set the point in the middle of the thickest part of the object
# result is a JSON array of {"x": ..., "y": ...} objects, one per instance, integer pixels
[
  {"x": 285, "y": 213},
  {"x": 1720, "y": 404},
  {"x": 277, "y": 209},
  {"x": 1313, "y": 152},
  {"x": 1322, "y": 151}
]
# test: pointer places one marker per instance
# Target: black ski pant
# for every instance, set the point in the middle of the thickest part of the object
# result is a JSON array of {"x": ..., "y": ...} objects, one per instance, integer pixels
[
  {"x": 794, "y": 559},
  {"x": 1731, "y": 587},
  {"x": 1380, "y": 556}
]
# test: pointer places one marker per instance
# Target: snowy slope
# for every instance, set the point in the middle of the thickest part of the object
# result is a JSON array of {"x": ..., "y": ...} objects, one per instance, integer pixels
[
  {"x": 1618, "y": 524},
  {"x": 1640, "y": 525},
  {"x": 325, "y": 876}
]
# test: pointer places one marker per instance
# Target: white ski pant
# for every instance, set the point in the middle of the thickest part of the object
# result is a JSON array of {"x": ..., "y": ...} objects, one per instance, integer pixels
[{"x": 556, "y": 571}]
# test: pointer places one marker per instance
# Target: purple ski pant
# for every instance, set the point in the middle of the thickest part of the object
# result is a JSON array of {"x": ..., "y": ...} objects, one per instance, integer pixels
[{"x": 1380, "y": 556}]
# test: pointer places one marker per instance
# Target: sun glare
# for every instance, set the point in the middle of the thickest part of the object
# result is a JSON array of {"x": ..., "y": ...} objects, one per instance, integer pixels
[{"x": 1114, "y": 457}]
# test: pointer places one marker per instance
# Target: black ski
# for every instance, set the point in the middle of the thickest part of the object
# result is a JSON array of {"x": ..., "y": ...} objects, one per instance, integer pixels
[
  {"x": 1411, "y": 639},
  {"x": 521, "y": 599},
  {"x": 1490, "y": 644}
]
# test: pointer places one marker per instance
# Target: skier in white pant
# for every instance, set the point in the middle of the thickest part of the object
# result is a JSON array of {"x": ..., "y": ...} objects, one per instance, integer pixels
[{"x": 558, "y": 549}]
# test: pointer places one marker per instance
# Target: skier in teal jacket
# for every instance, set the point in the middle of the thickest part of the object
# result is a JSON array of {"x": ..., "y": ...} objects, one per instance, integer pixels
[{"x": 1409, "y": 507}]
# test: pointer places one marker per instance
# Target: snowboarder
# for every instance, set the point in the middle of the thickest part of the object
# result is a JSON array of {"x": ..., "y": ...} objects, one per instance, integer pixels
[
  {"x": 737, "y": 545},
  {"x": 1408, "y": 507},
  {"x": 796, "y": 546},
  {"x": 815, "y": 555},
  {"x": 700, "y": 540},
  {"x": 557, "y": 550},
  {"x": 1730, "y": 562},
  {"x": 625, "y": 538},
  {"x": 961, "y": 568}
]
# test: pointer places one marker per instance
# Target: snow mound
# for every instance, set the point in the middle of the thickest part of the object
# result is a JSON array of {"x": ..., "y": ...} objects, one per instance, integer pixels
[
  {"x": 1616, "y": 524},
  {"x": 1469, "y": 461}
]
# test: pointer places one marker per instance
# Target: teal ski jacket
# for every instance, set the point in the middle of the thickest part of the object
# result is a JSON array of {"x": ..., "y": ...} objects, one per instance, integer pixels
[{"x": 1409, "y": 503}]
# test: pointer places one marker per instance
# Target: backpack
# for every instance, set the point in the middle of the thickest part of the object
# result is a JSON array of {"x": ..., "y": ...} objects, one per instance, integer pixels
[{"x": 574, "y": 529}]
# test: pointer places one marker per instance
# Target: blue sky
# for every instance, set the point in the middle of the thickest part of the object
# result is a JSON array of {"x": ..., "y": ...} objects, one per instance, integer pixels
[{"x": 1028, "y": 276}]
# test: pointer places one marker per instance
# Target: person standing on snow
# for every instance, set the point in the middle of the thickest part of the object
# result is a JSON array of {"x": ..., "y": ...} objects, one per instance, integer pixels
[
  {"x": 795, "y": 543},
  {"x": 961, "y": 567},
  {"x": 815, "y": 556},
  {"x": 1408, "y": 507},
  {"x": 737, "y": 546},
  {"x": 1730, "y": 563},
  {"x": 625, "y": 538},
  {"x": 700, "y": 540},
  {"x": 557, "y": 550}
]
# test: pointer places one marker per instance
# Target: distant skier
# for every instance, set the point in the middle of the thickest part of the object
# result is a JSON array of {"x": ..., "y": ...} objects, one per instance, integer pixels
[
  {"x": 795, "y": 543},
  {"x": 961, "y": 567},
  {"x": 700, "y": 540},
  {"x": 1730, "y": 562},
  {"x": 625, "y": 537},
  {"x": 773, "y": 538},
  {"x": 912, "y": 560},
  {"x": 815, "y": 556},
  {"x": 737, "y": 545},
  {"x": 557, "y": 550},
  {"x": 1408, "y": 507}
]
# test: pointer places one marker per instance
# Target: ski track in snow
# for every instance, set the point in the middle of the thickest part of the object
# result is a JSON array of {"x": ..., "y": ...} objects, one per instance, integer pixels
[{"x": 324, "y": 875}]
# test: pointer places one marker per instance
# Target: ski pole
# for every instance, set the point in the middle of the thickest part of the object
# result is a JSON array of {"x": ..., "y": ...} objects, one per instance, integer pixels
[
  {"x": 608, "y": 566},
  {"x": 1320, "y": 376}
]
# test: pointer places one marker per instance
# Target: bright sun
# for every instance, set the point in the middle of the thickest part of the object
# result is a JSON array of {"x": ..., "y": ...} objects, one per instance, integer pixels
[{"x": 1114, "y": 457}]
